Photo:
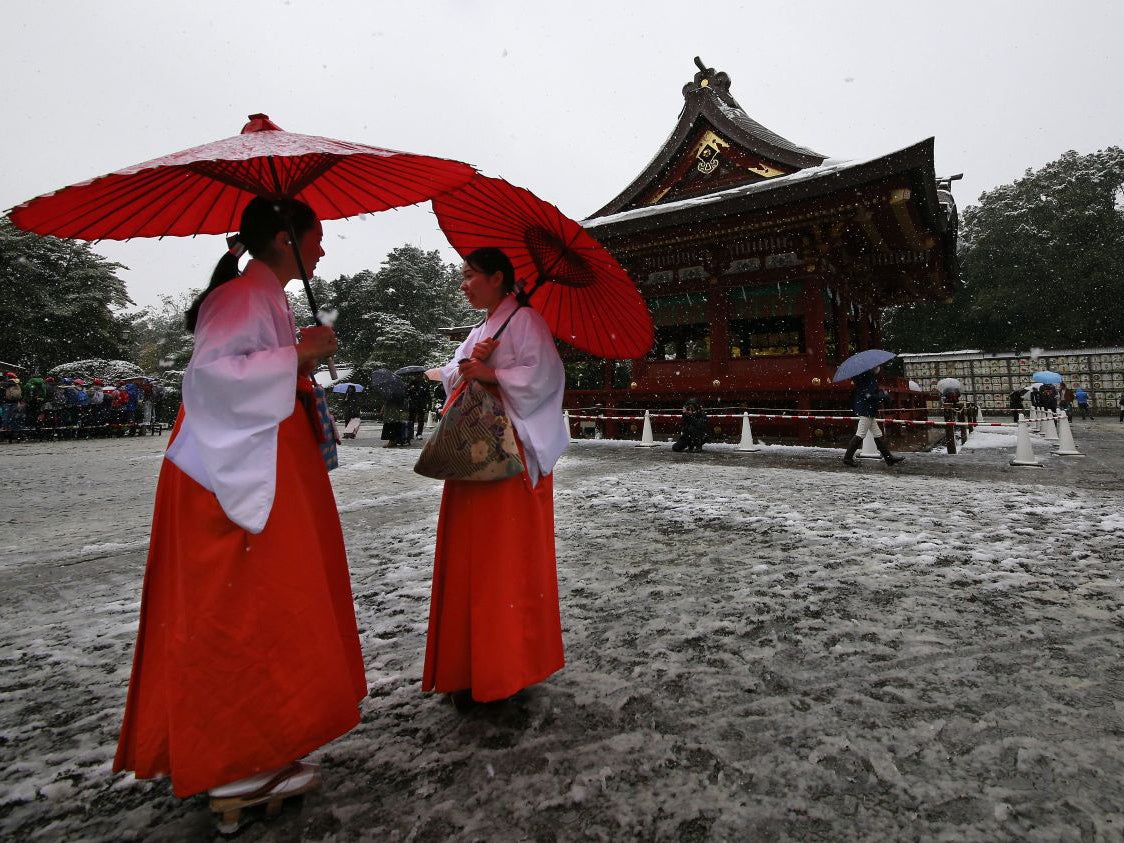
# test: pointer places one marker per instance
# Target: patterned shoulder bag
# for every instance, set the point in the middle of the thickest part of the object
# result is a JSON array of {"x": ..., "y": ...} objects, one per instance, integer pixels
[{"x": 474, "y": 439}]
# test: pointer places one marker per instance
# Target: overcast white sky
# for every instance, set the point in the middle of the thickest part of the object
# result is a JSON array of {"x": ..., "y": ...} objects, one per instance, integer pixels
[{"x": 569, "y": 99}]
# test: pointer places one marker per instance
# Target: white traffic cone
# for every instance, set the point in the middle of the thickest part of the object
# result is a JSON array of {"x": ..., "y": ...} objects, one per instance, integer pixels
[
  {"x": 979, "y": 415},
  {"x": 1065, "y": 439},
  {"x": 747, "y": 436},
  {"x": 566, "y": 421},
  {"x": 870, "y": 448},
  {"x": 646, "y": 439},
  {"x": 1024, "y": 451},
  {"x": 1049, "y": 431},
  {"x": 1036, "y": 420}
]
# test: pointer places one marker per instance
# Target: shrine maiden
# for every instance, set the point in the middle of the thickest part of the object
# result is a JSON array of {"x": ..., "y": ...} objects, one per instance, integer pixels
[
  {"x": 494, "y": 624},
  {"x": 247, "y": 657}
]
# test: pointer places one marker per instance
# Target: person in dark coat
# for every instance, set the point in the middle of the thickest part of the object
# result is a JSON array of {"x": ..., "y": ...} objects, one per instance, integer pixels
[
  {"x": 393, "y": 422},
  {"x": 34, "y": 394},
  {"x": 693, "y": 431},
  {"x": 11, "y": 402},
  {"x": 865, "y": 398},
  {"x": 1017, "y": 404},
  {"x": 350, "y": 405},
  {"x": 1048, "y": 397},
  {"x": 417, "y": 405},
  {"x": 50, "y": 403}
]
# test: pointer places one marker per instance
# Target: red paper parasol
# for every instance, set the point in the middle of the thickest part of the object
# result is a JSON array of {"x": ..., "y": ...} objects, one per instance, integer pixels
[
  {"x": 203, "y": 190},
  {"x": 585, "y": 296}
]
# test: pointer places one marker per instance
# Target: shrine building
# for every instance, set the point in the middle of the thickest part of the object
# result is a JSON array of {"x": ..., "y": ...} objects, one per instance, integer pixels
[{"x": 765, "y": 263}]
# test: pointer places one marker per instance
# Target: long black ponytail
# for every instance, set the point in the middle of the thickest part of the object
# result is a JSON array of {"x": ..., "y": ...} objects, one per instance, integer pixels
[{"x": 262, "y": 219}]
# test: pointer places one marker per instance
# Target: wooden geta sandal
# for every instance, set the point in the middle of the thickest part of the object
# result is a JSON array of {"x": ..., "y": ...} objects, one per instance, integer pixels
[{"x": 229, "y": 800}]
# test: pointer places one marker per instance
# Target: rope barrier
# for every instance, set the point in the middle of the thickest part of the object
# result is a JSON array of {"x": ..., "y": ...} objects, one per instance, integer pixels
[
  {"x": 740, "y": 408},
  {"x": 783, "y": 417}
]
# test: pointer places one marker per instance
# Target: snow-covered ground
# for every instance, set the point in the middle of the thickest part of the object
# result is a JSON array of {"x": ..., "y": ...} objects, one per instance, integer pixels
[{"x": 760, "y": 646}]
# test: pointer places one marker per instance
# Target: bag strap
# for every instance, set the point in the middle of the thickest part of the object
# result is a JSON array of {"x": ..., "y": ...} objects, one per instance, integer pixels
[
  {"x": 511, "y": 315},
  {"x": 461, "y": 387},
  {"x": 452, "y": 398},
  {"x": 505, "y": 321}
]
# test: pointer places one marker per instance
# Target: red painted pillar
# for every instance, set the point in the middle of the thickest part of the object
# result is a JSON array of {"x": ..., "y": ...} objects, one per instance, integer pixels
[
  {"x": 814, "y": 309},
  {"x": 717, "y": 314},
  {"x": 843, "y": 323},
  {"x": 864, "y": 328}
]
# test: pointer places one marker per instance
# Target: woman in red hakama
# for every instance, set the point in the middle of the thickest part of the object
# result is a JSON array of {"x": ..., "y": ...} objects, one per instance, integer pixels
[
  {"x": 494, "y": 624},
  {"x": 247, "y": 657}
]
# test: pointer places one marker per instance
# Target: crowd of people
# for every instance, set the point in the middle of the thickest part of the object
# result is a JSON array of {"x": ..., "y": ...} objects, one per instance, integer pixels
[
  {"x": 47, "y": 407},
  {"x": 404, "y": 419},
  {"x": 1057, "y": 399}
]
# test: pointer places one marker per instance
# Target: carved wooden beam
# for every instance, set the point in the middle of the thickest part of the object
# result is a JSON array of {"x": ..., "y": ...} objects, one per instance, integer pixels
[
  {"x": 916, "y": 237},
  {"x": 865, "y": 220}
]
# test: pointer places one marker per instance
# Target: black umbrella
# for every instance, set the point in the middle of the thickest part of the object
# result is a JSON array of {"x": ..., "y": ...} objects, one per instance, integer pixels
[
  {"x": 387, "y": 385},
  {"x": 406, "y": 371}
]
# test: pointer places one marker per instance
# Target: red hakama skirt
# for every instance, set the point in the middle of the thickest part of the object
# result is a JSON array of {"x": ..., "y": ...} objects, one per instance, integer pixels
[
  {"x": 494, "y": 624},
  {"x": 247, "y": 656}
]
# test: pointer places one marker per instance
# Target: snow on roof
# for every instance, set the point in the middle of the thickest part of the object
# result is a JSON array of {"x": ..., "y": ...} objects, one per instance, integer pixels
[
  {"x": 831, "y": 165},
  {"x": 325, "y": 379},
  {"x": 740, "y": 118}
]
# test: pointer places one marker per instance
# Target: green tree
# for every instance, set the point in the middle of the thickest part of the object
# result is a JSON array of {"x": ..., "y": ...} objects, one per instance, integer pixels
[
  {"x": 159, "y": 338},
  {"x": 389, "y": 318},
  {"x": 59, "y": 301},
  {"x": 1042, "y": 264}
]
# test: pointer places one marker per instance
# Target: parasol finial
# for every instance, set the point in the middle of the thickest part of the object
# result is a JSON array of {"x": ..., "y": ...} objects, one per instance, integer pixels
[{"x": 260, "y": 123}]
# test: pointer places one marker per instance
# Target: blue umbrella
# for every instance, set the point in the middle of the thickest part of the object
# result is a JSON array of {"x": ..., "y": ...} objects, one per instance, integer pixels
[
  {"x": 864, "y": 361},
  {"x": 342, "y": 387},
  {"x": 1046, "y": 376}
]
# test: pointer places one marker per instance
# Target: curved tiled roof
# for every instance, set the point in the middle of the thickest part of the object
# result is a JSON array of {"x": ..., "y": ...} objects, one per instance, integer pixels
[
  {"x": 707, "y": 98},
  {"x": 747, "y": 124}
]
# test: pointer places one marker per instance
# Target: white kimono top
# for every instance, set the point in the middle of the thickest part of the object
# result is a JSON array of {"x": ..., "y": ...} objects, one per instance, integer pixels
[
  {"x": 531, "y": 381},
  {"x": 240, "y": 385}
]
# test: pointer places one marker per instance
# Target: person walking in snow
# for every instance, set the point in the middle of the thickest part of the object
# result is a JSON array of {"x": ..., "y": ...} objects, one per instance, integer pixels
[
  {"x": 1082, "y": 398},
  {"x": 865, "y": 398},
  {"x": 350, "y": 405}
]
